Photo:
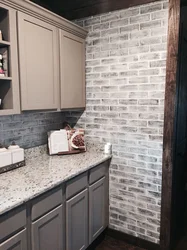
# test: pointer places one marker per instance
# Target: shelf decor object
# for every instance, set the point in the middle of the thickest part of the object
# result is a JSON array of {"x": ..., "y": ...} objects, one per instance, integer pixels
[{"x": 2, "y": 72}]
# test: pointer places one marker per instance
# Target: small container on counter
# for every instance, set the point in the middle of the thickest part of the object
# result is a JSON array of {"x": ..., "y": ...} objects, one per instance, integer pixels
[
  {"x": 5, "y": 157},
  {"x": 108, "y": 148},
  {"x": 16, "y": 152}
]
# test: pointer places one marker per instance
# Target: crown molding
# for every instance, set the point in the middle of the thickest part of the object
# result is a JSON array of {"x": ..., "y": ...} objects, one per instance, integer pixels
[{"x": 45, "y": 15}]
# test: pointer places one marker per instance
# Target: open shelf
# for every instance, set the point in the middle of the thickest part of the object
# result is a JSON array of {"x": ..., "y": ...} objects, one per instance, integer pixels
[
  {"x": 7, "y": 112},
  {"x": 5, "y": 78},
  {"x": 9, "y": 84},
  {"x": 5, "y": 52},
  {"x": 6, "y": 94},
  {"x": 4, "y": 24},
  {"x": 4, "y": 44}
]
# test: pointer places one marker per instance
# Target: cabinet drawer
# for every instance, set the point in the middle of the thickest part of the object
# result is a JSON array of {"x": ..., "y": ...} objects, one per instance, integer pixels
[
  {"x": 98, "y": 172},
  {"x": 12, "y": 222},
  {"x": 76, "y": 185},
  {"x": 46, "y": 203}
]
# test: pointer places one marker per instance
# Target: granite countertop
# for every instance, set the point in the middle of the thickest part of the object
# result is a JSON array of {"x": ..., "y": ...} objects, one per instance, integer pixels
[{"x": 42, "y": 173}]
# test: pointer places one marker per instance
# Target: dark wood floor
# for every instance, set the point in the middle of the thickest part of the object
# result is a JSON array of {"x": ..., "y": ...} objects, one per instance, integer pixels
[{"x": 112, "y": 244}]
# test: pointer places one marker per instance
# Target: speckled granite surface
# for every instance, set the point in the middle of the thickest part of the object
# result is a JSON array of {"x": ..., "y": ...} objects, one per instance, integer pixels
[{"x": 42, "y": 173}]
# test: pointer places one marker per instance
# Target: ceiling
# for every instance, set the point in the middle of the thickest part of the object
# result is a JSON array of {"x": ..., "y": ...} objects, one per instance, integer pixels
[
  {"x": 184, "y": 2},
  {"x": 75, "y": 9}
]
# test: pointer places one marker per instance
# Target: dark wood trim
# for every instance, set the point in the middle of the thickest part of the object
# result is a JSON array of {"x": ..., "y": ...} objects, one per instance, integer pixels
[
  {"x": 169, "y": 122},
  {"x": 103, "y": 7},
  {"x": 132, "y": 240},
  {"x": 83, "y": 8}
]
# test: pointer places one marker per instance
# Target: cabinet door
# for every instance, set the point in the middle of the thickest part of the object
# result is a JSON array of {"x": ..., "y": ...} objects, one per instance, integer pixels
[
  {"x": 98, "y": 209},
  {"x": 47, "y": 232},
  {"x": 39, "y": 73},
  {"x": 72, "y": 61},
  {"x": 17, "y": 242},
  {"x": 77, "y": 222}
]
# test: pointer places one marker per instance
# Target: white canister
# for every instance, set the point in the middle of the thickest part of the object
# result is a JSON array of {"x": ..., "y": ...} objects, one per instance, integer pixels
[
  {"x": 17, "y": 153},
  {"x": 5, "y": 157},
  {"x": 108, "y": 148}
]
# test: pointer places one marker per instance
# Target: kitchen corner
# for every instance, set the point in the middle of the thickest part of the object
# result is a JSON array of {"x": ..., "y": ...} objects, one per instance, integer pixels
[{"x": 82, "y": 108}]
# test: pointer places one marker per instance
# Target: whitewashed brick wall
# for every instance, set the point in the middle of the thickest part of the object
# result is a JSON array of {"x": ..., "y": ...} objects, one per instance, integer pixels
[{"x": 125, "y": 75}]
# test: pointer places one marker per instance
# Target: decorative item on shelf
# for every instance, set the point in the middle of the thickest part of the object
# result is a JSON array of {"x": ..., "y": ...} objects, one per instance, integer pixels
[
  {"x": 11, "y": 158},
  {"x": 1, "y": 36},
  {"x": 2, "y": 73},
  {"x": 1, "y": 104},
  {"x": 66, "y": 141},
  {"x": 5, "y": 61}
]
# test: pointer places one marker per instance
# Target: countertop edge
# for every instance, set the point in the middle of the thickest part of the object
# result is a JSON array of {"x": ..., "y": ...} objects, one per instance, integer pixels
[{"x": 21, "y": 203}]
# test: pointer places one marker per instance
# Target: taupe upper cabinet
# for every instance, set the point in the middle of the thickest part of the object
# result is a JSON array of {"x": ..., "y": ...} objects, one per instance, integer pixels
[
  {"x": 39, "y": 69},
  {"x": 46, "y": 59},
  {"x": 72, "y": 68}
]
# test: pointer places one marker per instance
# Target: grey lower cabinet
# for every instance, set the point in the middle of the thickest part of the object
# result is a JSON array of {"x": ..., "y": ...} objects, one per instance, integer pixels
[
  {"x": 47, "y": 232},
  {"x": 97, "y": 208},
  {"x": 68, "y": 217},
  {"x": 17, "y": 242},
  {"x": 77, "y": 222}
]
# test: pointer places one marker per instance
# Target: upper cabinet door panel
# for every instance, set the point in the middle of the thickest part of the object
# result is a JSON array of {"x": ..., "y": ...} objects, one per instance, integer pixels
[
  {"x": 72, "y": 61},
  {"x": 39, "y": 69}
]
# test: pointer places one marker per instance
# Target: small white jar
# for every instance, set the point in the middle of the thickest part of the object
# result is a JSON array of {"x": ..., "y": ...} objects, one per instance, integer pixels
[
  {"x": 17, "y": 153},
  {"x": 5, "y": 157},
  {"x": 108, "y": 148}
]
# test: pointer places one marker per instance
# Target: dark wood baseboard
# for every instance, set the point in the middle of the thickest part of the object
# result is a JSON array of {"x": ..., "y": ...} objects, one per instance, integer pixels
[
  {"x": 98, "y": 241},
  {"x": 132, "y": 240}
]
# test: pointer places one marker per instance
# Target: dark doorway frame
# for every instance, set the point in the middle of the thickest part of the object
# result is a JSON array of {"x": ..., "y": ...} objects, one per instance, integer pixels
[{"x": 169, "y": 122}]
